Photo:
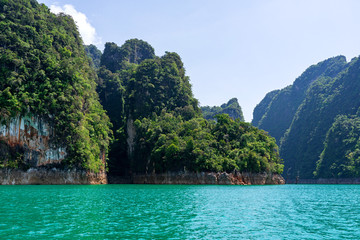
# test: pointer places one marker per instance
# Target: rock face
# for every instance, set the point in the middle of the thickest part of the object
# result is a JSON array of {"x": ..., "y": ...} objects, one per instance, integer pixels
[
  {"x": 209, "y": 178},
  {"x": 32, "y": 136},
  {"x": 44, "y": 176},
  {"x": 54, "y": 176}
]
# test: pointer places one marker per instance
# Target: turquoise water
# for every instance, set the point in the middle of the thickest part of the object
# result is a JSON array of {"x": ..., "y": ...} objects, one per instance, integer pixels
[{"x": 180, "y": 212}]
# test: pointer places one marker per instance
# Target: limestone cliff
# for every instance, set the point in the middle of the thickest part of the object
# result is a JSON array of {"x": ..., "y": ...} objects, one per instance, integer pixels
[
  {"x": 31, "y": 136},
  {"x": 49, "y": 109}
]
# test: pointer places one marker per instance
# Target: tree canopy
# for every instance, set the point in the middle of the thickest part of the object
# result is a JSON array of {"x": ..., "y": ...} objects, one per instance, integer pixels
[
  {"x": 158, "y": 125},
  {"x": 147, "y": 108},
  {"x": 44, "y": 72},
  {"x": 232, "y": 108}
]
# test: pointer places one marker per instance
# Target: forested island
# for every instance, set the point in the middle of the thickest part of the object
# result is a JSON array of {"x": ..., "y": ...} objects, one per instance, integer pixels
[
  {"x": 316, "y": 122},
  {"x": 72, "y": 114}
]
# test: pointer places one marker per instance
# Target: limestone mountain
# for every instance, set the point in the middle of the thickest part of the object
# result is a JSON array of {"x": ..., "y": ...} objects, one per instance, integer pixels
[
  {"x": 232, "y": 108},
  {"x": 50, "y": 113},
  {"x": 279, "y": 112},
  {"x": 309, "y": 116},
  {"x": 158, "y": 125},
  {"x": 49, "y": 108}
]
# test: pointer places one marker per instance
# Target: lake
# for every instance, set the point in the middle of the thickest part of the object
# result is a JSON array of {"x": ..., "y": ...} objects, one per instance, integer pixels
[{"x": 180, "y": 212}]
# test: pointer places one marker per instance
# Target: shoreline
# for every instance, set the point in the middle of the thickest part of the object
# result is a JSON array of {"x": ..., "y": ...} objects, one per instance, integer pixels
[
  {"x": 55, "y": 176},
  {"x": 201, "y": 178},
  {"x": 324, "y": 181}
]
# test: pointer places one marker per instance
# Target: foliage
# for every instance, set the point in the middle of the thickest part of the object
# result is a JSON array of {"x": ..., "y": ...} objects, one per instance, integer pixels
[
  {"x": 134, "y": 83},
  {"x": 283, "y": 106},
  {"x": 329, "y": 89},
  {"x": 44, "y": 71},
  {"x": 261, "y": 109},
  {"x": 158, "y": 125},
  {"x": 94, "y": 54},
  {"x": 232, "y": 108},
  {"x": 160, "y": 83},
  {"x": 326, "y": 99},
  {"x": 167, "y": 142},
  {"x": 341, "y": 154},
  {"x": 117, "y": 58}
]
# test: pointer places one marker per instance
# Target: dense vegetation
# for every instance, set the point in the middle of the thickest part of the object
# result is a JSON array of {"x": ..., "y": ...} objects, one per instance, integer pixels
[
  {"x": 44, "y": 72},
  {"x": 232, "y": 108},
  {"x": 262, "y": 107},
  {"x": 94, "y": 54},
  {"x": 317, "y": 128},
  {"x": 158, "y": 125},
  {"x": 275, "y": 116},
  {"x": 167, "y": 142},
  {"x": 341, "y": 154}
]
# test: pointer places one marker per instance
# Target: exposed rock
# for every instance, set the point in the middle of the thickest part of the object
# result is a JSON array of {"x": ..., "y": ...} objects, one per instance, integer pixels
[
  {"x": 54, "y": 176},
  {"x": 131, "y": 136},
  {"x": 31, "y": 136},
  {"x": 209, "y": 178}
]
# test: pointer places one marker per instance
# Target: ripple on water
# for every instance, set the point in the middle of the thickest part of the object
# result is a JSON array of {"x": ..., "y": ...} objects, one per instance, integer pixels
[{"x": 180, "y": 212}]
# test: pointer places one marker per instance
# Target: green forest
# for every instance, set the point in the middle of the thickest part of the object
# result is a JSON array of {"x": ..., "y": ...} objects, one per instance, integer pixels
[
  {"x": 232, "y": 108},
  {"x": 44, "y": 72},
  {"x": 316, "y": 120},
  {"x": 124, "y": 110},
  {"x": 158, "y": 125}
]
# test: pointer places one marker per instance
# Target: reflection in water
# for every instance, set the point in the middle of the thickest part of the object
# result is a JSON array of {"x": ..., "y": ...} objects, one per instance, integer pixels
[{"x": 180, "y": 212}]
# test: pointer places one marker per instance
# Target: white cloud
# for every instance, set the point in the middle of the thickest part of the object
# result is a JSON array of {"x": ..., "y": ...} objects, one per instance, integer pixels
[{"x": 87, "y": 32}]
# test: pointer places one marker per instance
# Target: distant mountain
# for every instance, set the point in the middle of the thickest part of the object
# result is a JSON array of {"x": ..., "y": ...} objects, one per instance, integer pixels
[
  {"x": 280, "y": 110},
  {"x": 232, "y": 108},
  {"x": 315, "y": 120},
  {"x": 261, "y": 109}
]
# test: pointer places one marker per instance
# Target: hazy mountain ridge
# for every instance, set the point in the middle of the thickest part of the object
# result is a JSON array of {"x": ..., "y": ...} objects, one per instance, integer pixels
[{"x": 333, "y": 93}]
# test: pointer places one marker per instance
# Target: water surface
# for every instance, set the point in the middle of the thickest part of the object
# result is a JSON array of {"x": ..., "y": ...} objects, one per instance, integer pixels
[{"x": 180, "y": 212}]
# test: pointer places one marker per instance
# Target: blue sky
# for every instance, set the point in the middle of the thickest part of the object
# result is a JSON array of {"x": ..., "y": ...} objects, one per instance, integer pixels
[{"x": 230, "y": 48}]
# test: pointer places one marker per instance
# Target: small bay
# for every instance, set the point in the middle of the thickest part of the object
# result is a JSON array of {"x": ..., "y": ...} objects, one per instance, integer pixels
[{"x": 180, "y": 212}]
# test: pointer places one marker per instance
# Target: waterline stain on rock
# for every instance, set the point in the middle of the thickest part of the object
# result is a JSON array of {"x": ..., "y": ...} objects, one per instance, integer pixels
[
  {"x": 218, "y": 178},
  {"x": 53, "y": 176}
]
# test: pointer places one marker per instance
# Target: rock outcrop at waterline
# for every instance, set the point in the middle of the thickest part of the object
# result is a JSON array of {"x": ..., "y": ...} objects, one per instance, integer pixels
[
  {"x": 54, "y": 176},
  {"x": 210, "y": 178}
]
